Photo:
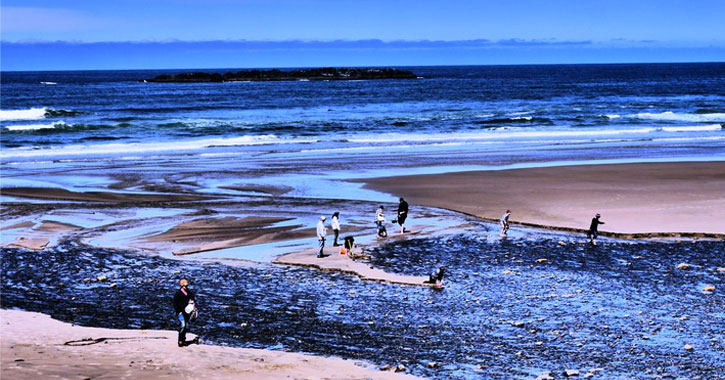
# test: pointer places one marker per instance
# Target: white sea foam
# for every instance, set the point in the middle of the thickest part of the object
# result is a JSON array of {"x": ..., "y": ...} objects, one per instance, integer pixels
[
  {"x": 671, "y": 116},
  {"x": 28, "y": 114},
  {"x": 30, "y": 127},
  {"x": 700, "y": 128},
  {"x": 150, "y": 147},
  {"x": 613, "y": 116},
  {"x": 51, "y": 83}
]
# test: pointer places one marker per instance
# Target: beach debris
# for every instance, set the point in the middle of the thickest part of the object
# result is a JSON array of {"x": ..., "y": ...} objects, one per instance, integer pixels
[
  {"x": 243, "y": 324},
  {"x": 507, "y": 271},
  {"x": 87, "y": 279},
  {"x": 433, "y": 365},
  {"x": 571, "y": 373},
  {"x": 386, "y": 367},
  {"x": 683, "y": 266},
  {"x": 721, "y": 270},
  {"x": 517, "y": 324},
  {"x": 588, "y": 375},
  {"x": 102, "y": 278},
  {"x": 708, "y": 288},
  {"x": 562, "y": 243},
  {"x": 689, "y": 347},
  {"x": 595, "y": 370},
  {"x": 545, "y": 376},
  {"x": 482, "y": 366},
  {"x": 113, "y": 285},
  {"x": 541, "y": 261},
  {"x": 400, "y": 368}
]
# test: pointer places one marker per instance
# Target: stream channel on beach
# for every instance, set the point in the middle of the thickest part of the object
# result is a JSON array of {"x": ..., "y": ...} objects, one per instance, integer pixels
[{"x": 621, "y": 307}]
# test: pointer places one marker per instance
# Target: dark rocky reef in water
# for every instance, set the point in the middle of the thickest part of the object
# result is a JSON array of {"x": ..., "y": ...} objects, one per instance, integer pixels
[{"x": 328, "y": 73}]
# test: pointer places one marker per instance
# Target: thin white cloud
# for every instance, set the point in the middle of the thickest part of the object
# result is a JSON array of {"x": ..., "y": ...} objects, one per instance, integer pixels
[{"x": 31, "y": 19}]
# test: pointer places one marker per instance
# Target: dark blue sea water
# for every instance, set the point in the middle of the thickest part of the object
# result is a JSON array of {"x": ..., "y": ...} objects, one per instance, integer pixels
[{"x": 659, "y": 110}]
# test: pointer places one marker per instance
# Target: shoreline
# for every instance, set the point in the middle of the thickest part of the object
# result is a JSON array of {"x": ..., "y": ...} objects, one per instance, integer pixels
[
  {"x": 638, "y": 201},
  {"x": 36, "y": 345}
]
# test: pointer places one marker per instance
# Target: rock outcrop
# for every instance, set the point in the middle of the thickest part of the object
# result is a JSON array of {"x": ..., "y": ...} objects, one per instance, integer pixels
[{"x": 327, "y": 73}]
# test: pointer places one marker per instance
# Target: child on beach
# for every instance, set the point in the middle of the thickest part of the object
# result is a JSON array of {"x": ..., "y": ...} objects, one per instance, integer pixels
[
  {"x": 594, "y": 229},
  {"x": 336, "y": 227},
  {"x": 505, "y": 222},
  {"x": 380, "y": 220}
]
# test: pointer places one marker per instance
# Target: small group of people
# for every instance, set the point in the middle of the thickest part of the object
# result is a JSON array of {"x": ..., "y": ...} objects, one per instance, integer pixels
[
  {"x": 592, "y": 232},
  {"x": 402, "y": 216}
]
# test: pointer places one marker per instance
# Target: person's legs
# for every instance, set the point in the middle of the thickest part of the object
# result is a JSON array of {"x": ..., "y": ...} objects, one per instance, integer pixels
[
  {"x": 182, "y": 329},
  {"x": 337, "y": 233},
  {"x": 594, "y": 237},
  {"x": 322, "y": 246}
]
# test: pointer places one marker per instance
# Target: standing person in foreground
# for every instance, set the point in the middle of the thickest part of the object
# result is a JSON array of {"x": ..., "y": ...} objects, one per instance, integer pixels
[
  {"x": 402, "y": 214},
  {"x": 183, "y": 297},
  {"x": 594, "y": 229},
  {"x": 380, "y": 221},
  {"x": 336, "y": 227},
  {"x": 321, "y": 233},
  {"x": 505, "y": 222}
]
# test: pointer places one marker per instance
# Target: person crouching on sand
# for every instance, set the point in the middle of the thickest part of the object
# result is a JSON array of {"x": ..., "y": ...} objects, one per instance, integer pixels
[
  {"x": 436, "y": 278},
  {"x": 594, "y": 229},
  {"x": 336, "y": 227},
  {"x": 505, "y": 222},
  {"x": 321, "y": 233},
  {"x": 182, "y": 299}
]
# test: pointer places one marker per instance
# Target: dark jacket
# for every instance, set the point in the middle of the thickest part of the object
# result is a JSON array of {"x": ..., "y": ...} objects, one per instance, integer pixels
[
  {"x": 595, "y": 224},
  {"x": 403, "y": 208},
  {"x": 181, "y": 300}
]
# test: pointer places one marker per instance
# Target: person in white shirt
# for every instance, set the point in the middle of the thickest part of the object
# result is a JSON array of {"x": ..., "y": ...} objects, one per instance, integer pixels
[
  {"x": 380, "y": 221},
  {"x": 505, "y": 222},
  {"x": 336, "y": 227},
  {"x": 321, "y": 233}
]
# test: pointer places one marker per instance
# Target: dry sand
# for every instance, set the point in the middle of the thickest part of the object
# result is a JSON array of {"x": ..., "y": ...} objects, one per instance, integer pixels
[
  {"x": 647, "y": 199},
  {"x": 34, "y": 346}
]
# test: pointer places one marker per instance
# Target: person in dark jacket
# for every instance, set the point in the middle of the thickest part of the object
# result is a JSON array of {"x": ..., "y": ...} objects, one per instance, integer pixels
[
  {"x": 594, "y": 229},
  {"x": 181, "y": 301},
  {"x": 436, "y": 278},
  {"x": 402, "y": 214}
]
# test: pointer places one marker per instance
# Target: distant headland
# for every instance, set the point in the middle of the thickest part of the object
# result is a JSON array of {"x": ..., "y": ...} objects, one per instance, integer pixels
[{"x": 327, "y": 73}]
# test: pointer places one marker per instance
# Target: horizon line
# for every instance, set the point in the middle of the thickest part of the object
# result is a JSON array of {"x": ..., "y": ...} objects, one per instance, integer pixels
[{"x": 382, "y": 66}]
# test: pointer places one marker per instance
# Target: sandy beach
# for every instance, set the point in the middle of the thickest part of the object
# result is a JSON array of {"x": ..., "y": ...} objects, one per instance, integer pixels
[
  {"x": 635, "y": 200},
  {"x": 34, "y": 345}
]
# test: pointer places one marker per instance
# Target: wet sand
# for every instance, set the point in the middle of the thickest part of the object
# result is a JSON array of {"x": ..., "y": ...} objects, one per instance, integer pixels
[
  {"x": 635, "y": 200},
  {"x": 36, "y": 346}
]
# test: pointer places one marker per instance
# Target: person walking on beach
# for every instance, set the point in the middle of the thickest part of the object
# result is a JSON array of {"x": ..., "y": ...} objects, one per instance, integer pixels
[
  {"x": 380, "y": 221},
  {"x": 402, "y": 214},
  {"x": 321, "y": 233},
  {"x": 183, "y": 298},
  {"x": 594, "y": 229},
  {"x": 505, "y": 222},
  {"x": 336, "y": 227}
]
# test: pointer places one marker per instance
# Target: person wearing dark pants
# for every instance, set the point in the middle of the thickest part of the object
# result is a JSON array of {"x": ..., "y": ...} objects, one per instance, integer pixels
[
  {"x": 321, "y": 233},
  {"x": 402, "y": 214},
  {"x": 336, "y": 227},
  {"x": 181, "y": 300},
  {"x": 594, "y": 229}
]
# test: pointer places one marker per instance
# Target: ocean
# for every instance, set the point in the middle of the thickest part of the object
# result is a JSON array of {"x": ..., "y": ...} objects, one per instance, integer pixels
[{"x": 497, "y": 114}]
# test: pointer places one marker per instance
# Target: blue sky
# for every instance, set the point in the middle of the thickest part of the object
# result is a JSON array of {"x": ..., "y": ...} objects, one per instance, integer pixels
[{"x": 136, "y": 34}]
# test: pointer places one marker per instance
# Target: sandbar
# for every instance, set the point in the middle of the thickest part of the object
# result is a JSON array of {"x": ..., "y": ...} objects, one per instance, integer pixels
[{"x": 635, "y": 200}]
